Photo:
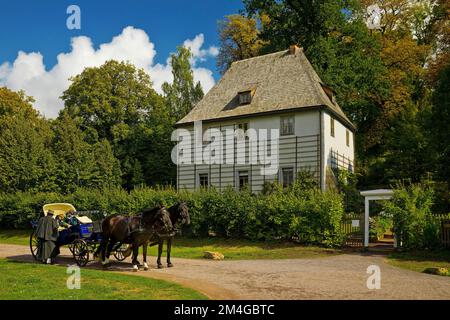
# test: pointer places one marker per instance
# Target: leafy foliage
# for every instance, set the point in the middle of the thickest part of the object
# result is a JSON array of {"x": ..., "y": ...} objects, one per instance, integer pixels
[
  {"x": 439, "y": 125},
  {"x": 413, "y": 222},
  {"x": 313, "y": 218},
  {"x": 183, "y": 93},
  {"x": 25, "y": 137},
  {"x": 116, "y": 102},
  {"x": 239, "y": 39}
]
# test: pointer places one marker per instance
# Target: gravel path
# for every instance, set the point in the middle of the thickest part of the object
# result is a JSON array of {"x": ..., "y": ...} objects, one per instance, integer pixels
[{"x": 337, "y": 277}]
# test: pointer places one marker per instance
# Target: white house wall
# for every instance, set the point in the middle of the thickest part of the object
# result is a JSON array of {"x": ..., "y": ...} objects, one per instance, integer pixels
[
  {"x": 299, "y": 151},
  {"x": 336, "y": 144}
]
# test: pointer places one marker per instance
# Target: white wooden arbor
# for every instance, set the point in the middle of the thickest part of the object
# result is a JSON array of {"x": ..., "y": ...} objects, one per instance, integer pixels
[{"x": 370, "y": 195}]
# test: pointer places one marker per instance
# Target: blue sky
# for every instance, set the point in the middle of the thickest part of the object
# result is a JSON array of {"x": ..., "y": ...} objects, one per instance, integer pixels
[
  {"x": 31, "y": 25},
  {"x": 41, "y": 25},
  {"x": 38, "y": 30}
]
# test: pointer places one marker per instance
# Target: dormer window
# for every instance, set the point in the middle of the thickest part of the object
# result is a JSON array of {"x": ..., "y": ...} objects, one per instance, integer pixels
[{"x": 245, "y": 97}]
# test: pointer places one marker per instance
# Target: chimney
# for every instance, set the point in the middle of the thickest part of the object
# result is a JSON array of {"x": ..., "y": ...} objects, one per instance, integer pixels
[{"x": 294, "y": 49}]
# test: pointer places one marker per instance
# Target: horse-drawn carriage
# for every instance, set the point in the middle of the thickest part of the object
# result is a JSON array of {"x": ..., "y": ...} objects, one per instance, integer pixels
[{"x": 77, "y": 231}]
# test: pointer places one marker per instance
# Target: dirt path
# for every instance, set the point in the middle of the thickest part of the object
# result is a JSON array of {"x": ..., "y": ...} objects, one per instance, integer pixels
[{"x": 337, "y": 277}]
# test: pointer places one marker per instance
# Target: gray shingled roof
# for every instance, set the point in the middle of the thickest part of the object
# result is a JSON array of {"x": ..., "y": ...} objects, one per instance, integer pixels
[{"x": 282, "y": 81}]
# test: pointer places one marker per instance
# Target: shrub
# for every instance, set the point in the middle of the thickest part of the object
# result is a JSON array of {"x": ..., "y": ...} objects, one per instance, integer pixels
[
  {"x": 318, "y": 219},
  {"x": 311, "y": 215},
  {"x": 379, "y": 225},
  {"x": 413, "y": 222}
]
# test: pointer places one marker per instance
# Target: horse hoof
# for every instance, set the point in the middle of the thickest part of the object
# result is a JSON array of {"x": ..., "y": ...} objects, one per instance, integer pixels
[
  {"x": 135, "y": 268},
  {"x": 169, "y": 265},
  {"x": 106, "y": 263},
  {"x": 145, "y": 266},
  {"x": 160, "y": 266}
]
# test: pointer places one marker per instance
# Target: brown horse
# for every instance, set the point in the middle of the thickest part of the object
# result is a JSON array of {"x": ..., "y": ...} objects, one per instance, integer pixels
[
  {"x": 178, "y": 213},
  {"x": 133, "y": 230}
]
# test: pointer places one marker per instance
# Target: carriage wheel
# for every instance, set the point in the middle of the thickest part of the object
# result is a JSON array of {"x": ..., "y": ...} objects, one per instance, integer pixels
[
  {"x": 119, "y": 254},
  {"x": 34, "y": 244},
  {"x": 80, "y": 252}
]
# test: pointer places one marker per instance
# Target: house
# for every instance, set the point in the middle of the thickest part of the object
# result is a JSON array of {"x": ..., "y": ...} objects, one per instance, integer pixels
[{"x": 278, "y": 92}]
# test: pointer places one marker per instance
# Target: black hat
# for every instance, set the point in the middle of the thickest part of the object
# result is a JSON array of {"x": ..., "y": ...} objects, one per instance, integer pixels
[{"x": 50, "y": 212}]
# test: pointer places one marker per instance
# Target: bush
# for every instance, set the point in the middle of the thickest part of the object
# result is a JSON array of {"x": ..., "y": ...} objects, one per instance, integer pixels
[
  {"x": 318, "y": 219},
  {"x": 379, "y": 225},
  {"x": 413, "y": 221},
  {"x": 311, "y": 215}
]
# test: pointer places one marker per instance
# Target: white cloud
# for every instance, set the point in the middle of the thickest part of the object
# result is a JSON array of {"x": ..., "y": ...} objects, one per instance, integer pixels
[
  {"x": 28, "y": 71},
  {"x": 199, "y": 54}
]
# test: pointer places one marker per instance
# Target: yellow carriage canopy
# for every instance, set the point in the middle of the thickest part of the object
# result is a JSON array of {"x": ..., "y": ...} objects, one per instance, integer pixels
[{"x": 59, "y": 209}]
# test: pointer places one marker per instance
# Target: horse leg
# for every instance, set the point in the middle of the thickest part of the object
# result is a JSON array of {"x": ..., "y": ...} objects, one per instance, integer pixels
[
  {"x": 109, "y": 248},
  {"x": 169, "y": 248},
  {"x": 100, "y": 252},
  {"x": 160, "y": 249},
  {"x": 144, "y": 255},
  {"x": 135, "y": 261}
]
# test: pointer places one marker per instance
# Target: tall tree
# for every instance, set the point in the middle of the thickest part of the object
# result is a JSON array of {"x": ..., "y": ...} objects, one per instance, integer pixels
[
  {"x": 439, "y": 124},
  {"x": 182, "y": 94},
  {"x": 340, "y": 46},
  {"x": 80, "y": 164},
  {"x": 299, "y": 21},
  {"x": 239, "y": 39},
  {"x": 26, "y": 161},
  {"x": 106, "y": 169},
  {"x": 113, "y": 102}
]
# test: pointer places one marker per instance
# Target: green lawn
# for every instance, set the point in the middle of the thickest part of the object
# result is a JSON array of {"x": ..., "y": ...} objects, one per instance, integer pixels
[
  {"x": 21, "y": 237},
  {"x": 19, "y": 280},
  {"x": 242, "y": 249},
  {"x": 231, "y": 248},
  {"x": 420, "y": 260}
]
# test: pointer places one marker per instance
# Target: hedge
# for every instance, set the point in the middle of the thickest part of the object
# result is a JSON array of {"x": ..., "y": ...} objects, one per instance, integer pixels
[
  {"x": 311, "y": 216},
  {"x": 415, "y": 225}
]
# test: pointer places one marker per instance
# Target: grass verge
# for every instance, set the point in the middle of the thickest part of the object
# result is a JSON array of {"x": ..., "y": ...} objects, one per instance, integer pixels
[
  {"x": 30, "y": 281},
  {"x": 420, "y": 260}
]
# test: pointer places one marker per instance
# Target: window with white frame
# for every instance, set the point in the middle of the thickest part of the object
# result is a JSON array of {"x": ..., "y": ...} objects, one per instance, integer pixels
[
  {"x": 242, "y": 179},
  {"x": 287, "y": 176},
  {"x": 287, "y": 125},
  {"x": 203, "y": 180}
]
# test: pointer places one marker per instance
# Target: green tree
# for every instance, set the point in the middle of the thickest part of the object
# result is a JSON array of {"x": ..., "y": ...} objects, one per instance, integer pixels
[
  {"x": 406, "y": 153},
  {"x": 239, "y": 39},
  {"x": 114, "y": 102},
  {"x": 74, "y": 161},
  {"x": 26, "y": 161},
  {"x": 343, "y": 51},
  {"x": 79, "y": 163},
  {"x": 300, "y": 22},
  {"x": 439, "y": 125},
  {"x": 183, "y": 93},
  {"x": 106, "y": 170}
]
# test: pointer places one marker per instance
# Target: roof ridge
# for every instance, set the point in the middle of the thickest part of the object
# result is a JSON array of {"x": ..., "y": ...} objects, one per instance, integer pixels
[{"x": 261, "y": 56}]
